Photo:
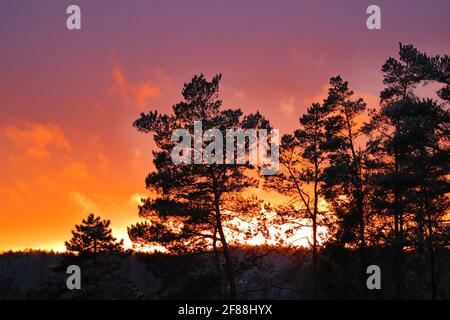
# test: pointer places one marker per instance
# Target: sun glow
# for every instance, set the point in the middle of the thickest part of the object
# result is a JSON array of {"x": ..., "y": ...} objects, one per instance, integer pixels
[
  {"x": 263, "y": 230},
  {"x": 297, "y": 233}
]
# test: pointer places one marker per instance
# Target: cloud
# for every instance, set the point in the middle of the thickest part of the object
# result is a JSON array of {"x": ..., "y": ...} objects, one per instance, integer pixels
[
  {"x": 94, "y": 202},
  {"x": 137, "y": 94},
  {"x": 36, "y": 139},
  {"x": 84, "y": 202},
  {"x": 120, "y": 82},
  {"x": 144, "y": 92}
]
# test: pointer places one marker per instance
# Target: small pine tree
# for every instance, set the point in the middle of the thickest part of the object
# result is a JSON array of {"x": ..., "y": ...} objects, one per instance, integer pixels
[{"x": 93, "y": 236}]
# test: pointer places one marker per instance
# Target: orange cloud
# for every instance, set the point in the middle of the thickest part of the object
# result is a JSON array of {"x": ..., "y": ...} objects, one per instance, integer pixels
[
  {"x": 120, "y": 82},
  {"x": 36, "y": 139},
  {"x": 96, "y": 202},
  {"x": 64, "y": 173},
  {"x": 84, "y": 202},
  {"x": 144, "y": 92},
  {"x": 137, "y": 94}
]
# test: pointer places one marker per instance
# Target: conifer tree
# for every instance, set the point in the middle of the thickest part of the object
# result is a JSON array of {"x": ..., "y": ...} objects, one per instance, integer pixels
[
  {"x": 195, "y": 202},
  {"x": 93, "y": 236}
]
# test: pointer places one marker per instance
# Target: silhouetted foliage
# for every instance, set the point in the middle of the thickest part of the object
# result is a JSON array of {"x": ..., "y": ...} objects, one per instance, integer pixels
[
  {"x": 409, "y": 159},
  {"x": 93, "y": 236},
  {"x": 380, "y": 188},
  {"x": 385, "y": 182},
  {"x": 194, "y": 202},
  {"x": 302, "y": 160}
]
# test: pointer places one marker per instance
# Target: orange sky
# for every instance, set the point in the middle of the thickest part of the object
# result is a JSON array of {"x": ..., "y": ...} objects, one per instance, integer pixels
[{"x": 68, "y": 98}]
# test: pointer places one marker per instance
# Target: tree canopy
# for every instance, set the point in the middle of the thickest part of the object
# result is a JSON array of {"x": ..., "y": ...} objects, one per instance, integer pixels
[{"x": 93, "y": 236}]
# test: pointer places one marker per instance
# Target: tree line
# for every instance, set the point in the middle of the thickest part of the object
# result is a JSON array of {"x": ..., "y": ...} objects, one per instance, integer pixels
[{"x": 382, "y": 172}]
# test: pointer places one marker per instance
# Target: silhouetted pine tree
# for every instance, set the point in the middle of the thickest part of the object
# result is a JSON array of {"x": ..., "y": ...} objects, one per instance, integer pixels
[
  {"x": 93, "y": 236},
  {"x": 193, "y": 202},
  {"x": 408, "y": 157},
  {"x": 343, "y": 177},
  {"x": 302, "y": 160}
]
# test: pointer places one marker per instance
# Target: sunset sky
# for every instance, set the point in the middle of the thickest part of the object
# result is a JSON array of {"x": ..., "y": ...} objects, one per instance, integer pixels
[{"x": 68, "y": 98}]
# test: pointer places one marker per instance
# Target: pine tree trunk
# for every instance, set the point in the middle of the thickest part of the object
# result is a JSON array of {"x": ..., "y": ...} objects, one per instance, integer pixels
[
  {"x": 431, "y": 250},
  {"x": 314, "y": 248},
  {"x": 217, "y": 261},
  {"x": 228, "y": 262},
  {"x": 362, "y": 245},
  {"x": 398, "y": 247}
]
